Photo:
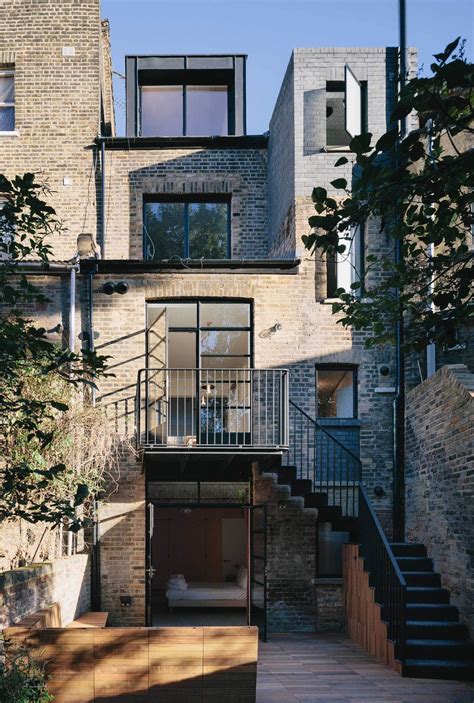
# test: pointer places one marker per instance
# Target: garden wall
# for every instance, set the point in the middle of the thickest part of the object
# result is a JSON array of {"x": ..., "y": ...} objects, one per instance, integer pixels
[{"x": 65, "y": 581}]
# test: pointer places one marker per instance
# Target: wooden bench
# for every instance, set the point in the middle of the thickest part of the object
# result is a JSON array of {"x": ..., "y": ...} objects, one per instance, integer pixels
[{"x": 90, "y": 619}]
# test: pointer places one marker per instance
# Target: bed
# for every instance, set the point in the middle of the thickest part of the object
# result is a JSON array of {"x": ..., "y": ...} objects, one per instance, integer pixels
[{"x": 200, "y": 594}]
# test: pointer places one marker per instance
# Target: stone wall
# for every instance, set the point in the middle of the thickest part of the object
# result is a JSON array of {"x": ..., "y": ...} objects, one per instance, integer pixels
[
  {"x": 65, "y": 581},
  {"x": 440, "y": 479}
]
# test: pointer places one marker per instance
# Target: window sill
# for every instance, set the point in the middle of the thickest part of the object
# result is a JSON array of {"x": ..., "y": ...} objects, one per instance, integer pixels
[
  {"x": 328, "y": 581},
  {"x": 335, "y": 149},
  {"x": 339, "y": 422},
  {"x": 11, "y": 133},
  {"x": 331, "y": 301}
]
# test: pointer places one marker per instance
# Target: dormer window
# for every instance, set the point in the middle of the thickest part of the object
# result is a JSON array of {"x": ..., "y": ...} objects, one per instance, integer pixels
[
  {"x": 185, "y": 96},
  {"x": 188, "y": 110}
]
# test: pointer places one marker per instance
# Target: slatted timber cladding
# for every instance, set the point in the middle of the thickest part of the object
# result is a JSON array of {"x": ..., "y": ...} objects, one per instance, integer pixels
[
  {"x": 363, "y": 615},
  {"x": 144, "y": 665}
]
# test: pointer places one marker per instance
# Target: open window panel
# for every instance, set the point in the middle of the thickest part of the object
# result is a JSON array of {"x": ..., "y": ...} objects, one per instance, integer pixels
[
  {"x": 346, "y": 110},
  {"x": 197, "y": 565}
]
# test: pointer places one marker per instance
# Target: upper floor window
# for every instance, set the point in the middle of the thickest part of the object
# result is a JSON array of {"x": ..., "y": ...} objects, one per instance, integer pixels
[
  {"x": 345, "y": 109},
  {"x": 190, "y": 110},
  {"x": 192, "y": 228},
  {"x": 7, "y": 100},
  {"x": 345, "y": 269},
  {"x": 185, "y": 95}
]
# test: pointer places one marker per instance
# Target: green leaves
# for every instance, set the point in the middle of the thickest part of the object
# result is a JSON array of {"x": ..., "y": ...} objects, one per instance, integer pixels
[
  {"x": 38, "y": 377},
  {"x": 361, "y": 143},
  {"x": 339, "y": 183}
]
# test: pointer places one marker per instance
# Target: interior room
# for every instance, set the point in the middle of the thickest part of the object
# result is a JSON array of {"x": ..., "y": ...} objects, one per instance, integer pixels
[{"x": 199, "y": 557}]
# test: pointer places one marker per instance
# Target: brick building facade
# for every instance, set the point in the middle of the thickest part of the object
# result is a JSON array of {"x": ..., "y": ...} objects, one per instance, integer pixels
[{"x": 64, "y": 132}]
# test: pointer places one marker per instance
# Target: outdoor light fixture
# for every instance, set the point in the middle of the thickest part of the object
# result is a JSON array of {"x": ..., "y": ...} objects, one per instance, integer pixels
[
  {"x": 87, "y": 248},
  {"x": 126, "y": 601},
  {"x": 267, "y": 334}
]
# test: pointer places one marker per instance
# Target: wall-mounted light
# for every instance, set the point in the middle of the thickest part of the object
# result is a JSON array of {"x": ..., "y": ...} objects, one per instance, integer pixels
[
  {"x": 109, "y": 287},
  {"x": 268, "y": 334},
  {"x": 125, "y": 601}
]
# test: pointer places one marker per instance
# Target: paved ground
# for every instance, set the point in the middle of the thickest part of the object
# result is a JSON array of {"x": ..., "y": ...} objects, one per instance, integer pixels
[{"x": 330, "y": 668}]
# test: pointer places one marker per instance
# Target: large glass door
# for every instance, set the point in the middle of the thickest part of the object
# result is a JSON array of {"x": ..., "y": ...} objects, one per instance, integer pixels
[
  {"x": 208, "y": 382},
  {"x": 257, "y": 568}
]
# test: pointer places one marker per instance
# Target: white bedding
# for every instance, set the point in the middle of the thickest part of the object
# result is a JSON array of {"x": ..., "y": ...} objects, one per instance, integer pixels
[{"x": 201, "y": 590}]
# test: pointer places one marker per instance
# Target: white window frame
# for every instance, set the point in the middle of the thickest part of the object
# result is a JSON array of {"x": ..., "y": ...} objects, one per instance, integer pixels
[
  {"x": 9, "y": 72},
  {"x": 350, "y": 264}
]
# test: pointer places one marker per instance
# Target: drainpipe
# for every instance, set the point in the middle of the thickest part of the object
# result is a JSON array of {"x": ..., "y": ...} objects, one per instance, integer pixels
[
  {"x": 431, "y": 348},
  {"x": 72, "y": 309},
  {"x": 399, "y": 467},
  {"x": 102, "y": 195},
  {"x": 95, "y": 560}
]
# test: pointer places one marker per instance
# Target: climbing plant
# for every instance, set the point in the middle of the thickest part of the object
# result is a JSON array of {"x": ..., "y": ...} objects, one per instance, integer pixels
[{"x": 45, "y": 472}]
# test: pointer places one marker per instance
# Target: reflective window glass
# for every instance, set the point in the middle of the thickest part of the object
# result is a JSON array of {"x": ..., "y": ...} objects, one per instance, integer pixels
[
  {"x": 206, "y": 110},
  {"x": 224, "y": 342},
  {"x": 164, "y": 230},
  {"x": 225, "y": 315},
  {"x": 161, "y": 110},
  {"x": 208, "y": 230}
]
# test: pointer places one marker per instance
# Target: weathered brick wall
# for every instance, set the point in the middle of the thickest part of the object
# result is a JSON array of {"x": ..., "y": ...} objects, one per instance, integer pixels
[
  {"x": 130, "y": 175},
  {"x": 291, "y": 557},
  {"x": 329, "y": 606},
  {"x": 57, "y": 104},
  {"x": 65, "y": 581},
  {"x": 440, "y": 479}
]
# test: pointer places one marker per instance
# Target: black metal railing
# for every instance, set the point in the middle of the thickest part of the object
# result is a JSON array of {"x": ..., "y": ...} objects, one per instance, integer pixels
[
  {"x": 318, "y": 456},
  {"x": 384, "y": 573},
  {"x": 212, "y": 408}
]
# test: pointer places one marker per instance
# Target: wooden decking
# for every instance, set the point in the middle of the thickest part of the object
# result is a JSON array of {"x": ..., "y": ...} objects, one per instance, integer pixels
[{"x": 329, "y": 668}]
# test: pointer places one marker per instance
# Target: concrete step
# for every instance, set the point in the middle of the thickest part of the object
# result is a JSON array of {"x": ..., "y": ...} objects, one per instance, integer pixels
[
  {"x": 427, "y": 594},
  {"x": 436, "y": 629},
  {"x": 432, "y": 611},
  {"x": 301, "y": 487},
  {"x": 439, "y": 649},
  {"x": 408, "y": 549},
  {"x": 422, "y": 578},
  {"x": 415, "y": 563},
  {"x": 315, "y": 500},
  {"x": 460, "y": 670}
]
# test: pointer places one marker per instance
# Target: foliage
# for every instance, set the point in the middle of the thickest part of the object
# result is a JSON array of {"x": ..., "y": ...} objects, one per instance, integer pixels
[
  {"x": 422, "y": 201},
  {"x": 22, "y": 677},
  {"x": 27, "y": 355}
]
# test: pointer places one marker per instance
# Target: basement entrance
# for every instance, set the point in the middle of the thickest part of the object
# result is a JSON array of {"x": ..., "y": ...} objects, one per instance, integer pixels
[{"x": 206, "y": 564}]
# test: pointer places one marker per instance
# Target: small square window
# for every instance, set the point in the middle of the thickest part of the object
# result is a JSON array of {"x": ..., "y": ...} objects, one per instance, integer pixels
[
  {"x": 7, "y": 100},
  {"x": 336, "y": 388}
]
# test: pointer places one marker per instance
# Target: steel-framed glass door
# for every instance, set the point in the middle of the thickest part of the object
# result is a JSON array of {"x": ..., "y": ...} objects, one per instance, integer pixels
[
  {"x": 149, "y": 570},
  {"x": 206, "y": 374},
  {"x": 257, "y": 568}
]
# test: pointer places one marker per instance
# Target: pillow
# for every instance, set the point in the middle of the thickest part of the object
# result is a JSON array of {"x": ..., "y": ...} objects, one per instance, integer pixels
[{"x": 242, "y": 577}]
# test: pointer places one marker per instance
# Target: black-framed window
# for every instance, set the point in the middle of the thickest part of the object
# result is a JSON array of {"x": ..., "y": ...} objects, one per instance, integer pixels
[
  {"x": 346, "y": 268},
  {"x": 336, "y": 391},
  {"x": 184, "y": 110},
  {"x": 191, "y": 228},
  {"x": 214, "y": 337},
  {"x": 329, "y": 552}
]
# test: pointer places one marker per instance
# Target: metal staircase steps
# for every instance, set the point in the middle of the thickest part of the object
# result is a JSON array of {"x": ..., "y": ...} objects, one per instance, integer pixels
[{"x": 437, "y": 644}]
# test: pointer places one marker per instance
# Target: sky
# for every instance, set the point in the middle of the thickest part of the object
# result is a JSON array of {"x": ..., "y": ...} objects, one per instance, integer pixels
[{"x": 268, "y": 30}]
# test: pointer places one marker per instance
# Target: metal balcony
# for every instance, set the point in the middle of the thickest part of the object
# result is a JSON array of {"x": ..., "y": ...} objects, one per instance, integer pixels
[{"x": 230, "y": 409}]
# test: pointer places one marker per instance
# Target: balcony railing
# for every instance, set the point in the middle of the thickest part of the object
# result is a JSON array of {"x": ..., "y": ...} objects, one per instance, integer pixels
[{"x": 232, "y": 408}]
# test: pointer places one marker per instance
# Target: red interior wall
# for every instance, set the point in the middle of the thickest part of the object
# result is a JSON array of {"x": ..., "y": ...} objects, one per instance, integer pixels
[{"x": 189, "y": 543}]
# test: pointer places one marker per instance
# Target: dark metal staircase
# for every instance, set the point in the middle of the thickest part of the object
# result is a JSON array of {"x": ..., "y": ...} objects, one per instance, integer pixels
[
  {"x": 437, "y": 644},
  {"x": 429, "y": 640}
]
